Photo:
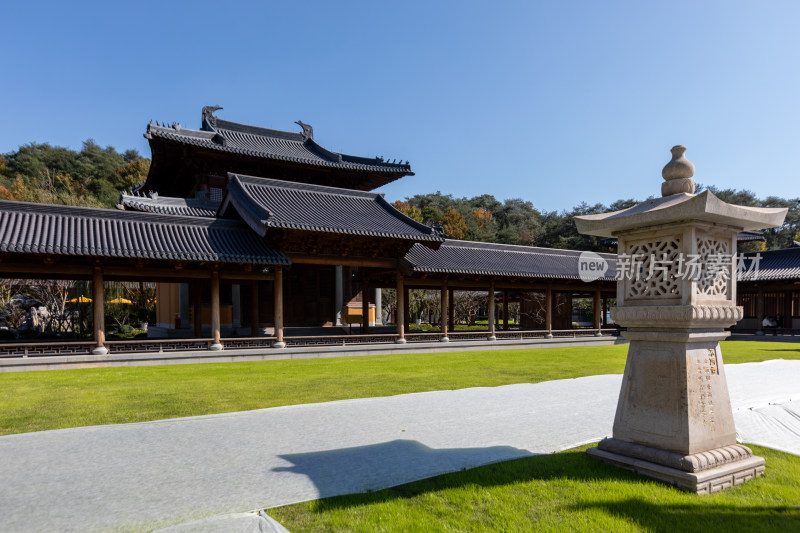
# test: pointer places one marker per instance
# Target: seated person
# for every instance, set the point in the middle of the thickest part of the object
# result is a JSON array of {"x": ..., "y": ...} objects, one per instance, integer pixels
[{"x": 769, "y": 322}]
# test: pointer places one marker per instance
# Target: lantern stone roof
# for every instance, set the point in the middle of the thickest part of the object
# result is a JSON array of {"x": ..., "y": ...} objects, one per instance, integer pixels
[
  {"x": 773, "y": 265},
  {"x": 81, "y": 231},
  {"x": 678, "y": 204},
  {"x": 266, "y": 204},
  {"x": 500, "y": 260},
  {"x": 168, "y": 205},
  {"x": 705, "y": 207}
]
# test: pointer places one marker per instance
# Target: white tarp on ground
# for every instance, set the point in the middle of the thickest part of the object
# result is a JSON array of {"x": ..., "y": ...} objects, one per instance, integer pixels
[{"x": 136, "y": 477}]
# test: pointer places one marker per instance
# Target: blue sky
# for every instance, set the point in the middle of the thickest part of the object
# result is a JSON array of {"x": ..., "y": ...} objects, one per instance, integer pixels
[{"x": 552, "y": 102}]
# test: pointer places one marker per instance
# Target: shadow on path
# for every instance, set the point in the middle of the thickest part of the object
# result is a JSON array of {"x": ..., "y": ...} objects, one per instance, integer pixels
[{"x": 377, "y": 466}]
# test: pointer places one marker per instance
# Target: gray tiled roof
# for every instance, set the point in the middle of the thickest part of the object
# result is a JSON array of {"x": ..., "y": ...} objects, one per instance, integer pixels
[
  {"x": 502, "y": 260},
  {"x": 167, "y": 205},
  {"x": 774, "y": 265},
  {"x": 272, "y": 144},
  {"x": 82, "y": 231},
  {"x": 266, "y": 203}
]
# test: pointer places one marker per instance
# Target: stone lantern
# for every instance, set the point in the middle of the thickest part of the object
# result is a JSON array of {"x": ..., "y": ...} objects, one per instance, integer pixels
[{"x": 676, "y": 294}]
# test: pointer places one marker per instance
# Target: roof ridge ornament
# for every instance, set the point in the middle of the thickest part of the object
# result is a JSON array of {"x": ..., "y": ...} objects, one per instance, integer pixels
[
  {"x": 209, "y": 119},
  {"x": 678, "y": 173},
  {"x": 308, "y": 131}
]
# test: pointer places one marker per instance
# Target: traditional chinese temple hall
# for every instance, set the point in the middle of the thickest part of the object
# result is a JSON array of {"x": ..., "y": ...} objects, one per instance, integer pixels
[{"x": 263, "y": 238}]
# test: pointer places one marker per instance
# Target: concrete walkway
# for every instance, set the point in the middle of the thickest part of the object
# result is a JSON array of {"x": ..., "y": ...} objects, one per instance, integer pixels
[
  {"x": 64, "y": 362},
  {"x": 139, "y": 477}
]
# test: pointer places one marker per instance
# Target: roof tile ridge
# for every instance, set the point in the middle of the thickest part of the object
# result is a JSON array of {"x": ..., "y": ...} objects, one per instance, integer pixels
[
  {"x": 177, "y": 129},
  {"x": 567, "y": 252},
  {"x": 106, "y": 213},
  {"x": 256, "y": 180},
  {"x": 788, "y": 250},
  {"x": 258, "y": 130}
]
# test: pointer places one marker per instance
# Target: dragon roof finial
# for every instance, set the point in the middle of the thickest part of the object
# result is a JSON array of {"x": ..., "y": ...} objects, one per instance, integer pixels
[
  {"x": 308, "y": 131},
  {"x": 208, "y": 115}
]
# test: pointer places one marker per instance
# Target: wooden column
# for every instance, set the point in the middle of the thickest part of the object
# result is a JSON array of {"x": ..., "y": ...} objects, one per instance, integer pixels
[
  {"x": 98, "y": 299},
  {"x": 255, "y": 331},
  {"x": 505, "y": 310},
  {"x": 548, "y": 312},
  {"x": 216, "y": 340},
  {"x": 760, "y": 310},
  {"x": 406, "y": 309},
  {"x": 451, "y": 315},
  {"x": 400, "y": 311},
  {"x": 444, "y": 311},
  {"x": 364, "y": 302},
  {"x": 198, "y": 309},
  {"x": 338, "y": 301},
  {"x": 605, "y": 312},
  {"x": 492, "y": 336},
  {"x": 596, "y": 309},
  {"x": 278, "y": 314}
]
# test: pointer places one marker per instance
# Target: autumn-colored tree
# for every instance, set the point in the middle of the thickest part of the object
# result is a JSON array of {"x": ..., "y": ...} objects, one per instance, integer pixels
[
  {"x": 483, "y": 217},
  {"x": 454, "y": 224},
  {"x": 408, "y": 210}
]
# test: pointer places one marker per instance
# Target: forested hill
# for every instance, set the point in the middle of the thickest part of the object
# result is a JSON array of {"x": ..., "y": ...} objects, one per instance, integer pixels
[
  {"x": 96, "y": 176},
  {"x": 93, "y": 177},
  {"x": 517, "y": 221}
]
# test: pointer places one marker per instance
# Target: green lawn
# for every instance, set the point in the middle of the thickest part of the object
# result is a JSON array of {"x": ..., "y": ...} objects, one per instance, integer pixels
[
  {"x": 40, "y": 400},
  {"x": 568, "y": 491}
]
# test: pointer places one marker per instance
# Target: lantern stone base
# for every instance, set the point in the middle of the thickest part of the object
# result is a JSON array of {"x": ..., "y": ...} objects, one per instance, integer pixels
[{"x": 730, "y": 470}]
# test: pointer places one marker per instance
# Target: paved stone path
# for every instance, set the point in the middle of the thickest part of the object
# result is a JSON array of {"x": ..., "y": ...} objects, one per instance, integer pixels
[{"x": 138, "y": 477}]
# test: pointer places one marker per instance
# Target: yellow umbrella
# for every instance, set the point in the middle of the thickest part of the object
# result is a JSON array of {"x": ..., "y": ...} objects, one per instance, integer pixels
[
  {"x": 120, "y": 301},
  {"x": 80, "y": 300}
]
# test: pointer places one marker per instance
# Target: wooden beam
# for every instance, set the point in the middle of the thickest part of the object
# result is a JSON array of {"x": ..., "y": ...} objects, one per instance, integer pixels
[
  {"x": 35, "y": 269},
  {"x": 247, "y": 276},
  {"x": 305, "y": 259}
]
